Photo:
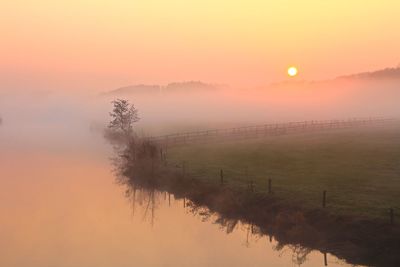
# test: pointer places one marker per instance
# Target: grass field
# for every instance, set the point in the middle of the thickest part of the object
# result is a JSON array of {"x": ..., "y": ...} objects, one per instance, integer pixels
[{"x": 359, "y": 168}]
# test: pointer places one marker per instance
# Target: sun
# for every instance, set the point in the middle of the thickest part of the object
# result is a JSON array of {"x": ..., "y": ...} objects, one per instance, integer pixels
[{"x": 292, "y": 71}]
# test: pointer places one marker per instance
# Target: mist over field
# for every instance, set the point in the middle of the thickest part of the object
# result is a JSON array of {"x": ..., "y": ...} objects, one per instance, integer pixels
[{"x": 198, "y": 105}]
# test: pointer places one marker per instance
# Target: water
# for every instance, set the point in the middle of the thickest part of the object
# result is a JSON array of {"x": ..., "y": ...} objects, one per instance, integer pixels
[{"x": 60, "y": 206}]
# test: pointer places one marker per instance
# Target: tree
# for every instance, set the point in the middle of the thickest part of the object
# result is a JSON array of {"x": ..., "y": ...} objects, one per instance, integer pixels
[{"x": 123, "y": 116}]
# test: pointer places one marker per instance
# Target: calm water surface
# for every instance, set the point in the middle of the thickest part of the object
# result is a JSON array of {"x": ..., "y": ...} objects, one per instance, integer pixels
[{"x": 60, "y": 206}]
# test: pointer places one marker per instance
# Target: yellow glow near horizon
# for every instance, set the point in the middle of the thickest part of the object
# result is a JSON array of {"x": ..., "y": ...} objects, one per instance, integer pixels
[
  {"x": 105, "y": 44},
  {"x": 292, "y": 71}
]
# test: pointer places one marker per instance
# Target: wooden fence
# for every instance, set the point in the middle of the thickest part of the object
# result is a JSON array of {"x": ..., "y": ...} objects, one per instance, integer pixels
[{"x": 259, "y": 131}]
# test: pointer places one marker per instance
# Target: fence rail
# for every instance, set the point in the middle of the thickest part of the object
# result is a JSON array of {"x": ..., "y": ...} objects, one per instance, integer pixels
[{"x": 264, "y": 130}]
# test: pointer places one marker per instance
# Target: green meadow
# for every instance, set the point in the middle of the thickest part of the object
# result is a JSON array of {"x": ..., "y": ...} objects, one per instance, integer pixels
[{"x": 359, "y": 168}]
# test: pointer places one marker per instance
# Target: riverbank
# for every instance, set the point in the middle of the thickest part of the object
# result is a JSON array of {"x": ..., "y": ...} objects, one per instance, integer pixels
[
  {"x": 358, "y": 241},
  {"x": 358, "y": 238}
]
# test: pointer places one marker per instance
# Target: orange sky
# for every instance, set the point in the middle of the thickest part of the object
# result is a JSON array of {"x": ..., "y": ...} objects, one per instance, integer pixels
[{"x": 100, "y": 45}]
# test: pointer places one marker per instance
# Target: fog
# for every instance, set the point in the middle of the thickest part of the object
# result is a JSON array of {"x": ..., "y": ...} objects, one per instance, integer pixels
[
  {"x": 46, "y": 121},
  {"x": 60, "y": 116},
  {"x": 295, "y": 101},
  {"x": 58, "y": 192}
]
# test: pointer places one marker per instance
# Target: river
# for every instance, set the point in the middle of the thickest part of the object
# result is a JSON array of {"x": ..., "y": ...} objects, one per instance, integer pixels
[{"x": 60, "y": 206}]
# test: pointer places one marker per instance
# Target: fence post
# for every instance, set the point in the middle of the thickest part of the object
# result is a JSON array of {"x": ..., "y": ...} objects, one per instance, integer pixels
[
  {"x": 269, "y": 186},
  {"x": 164, "y": 159},
  {"x": 152, "y": 167},
  {"x": 391, "y": 213},
  {"x": 325, "y": 259},
  {"x": 324, "y": 199},
  {"x": 221, "y": 174}
]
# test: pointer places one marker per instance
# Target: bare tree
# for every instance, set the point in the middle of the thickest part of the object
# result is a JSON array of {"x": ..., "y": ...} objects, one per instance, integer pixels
[{"x": 123, "y": 116}]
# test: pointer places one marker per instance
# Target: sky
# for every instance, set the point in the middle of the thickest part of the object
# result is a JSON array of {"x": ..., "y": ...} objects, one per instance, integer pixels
[{"x": 101, "y": 45}]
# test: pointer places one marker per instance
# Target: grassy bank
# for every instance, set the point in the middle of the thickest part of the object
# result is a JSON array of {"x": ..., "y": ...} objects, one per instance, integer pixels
[{"x": 359, "y": 169}]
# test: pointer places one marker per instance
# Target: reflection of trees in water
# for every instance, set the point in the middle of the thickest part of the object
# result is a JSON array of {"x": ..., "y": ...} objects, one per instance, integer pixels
[
  {"x": 144, "y": 197},
  {"x": 299, "y": 253},
  {"x": 148, "y": 199}
]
